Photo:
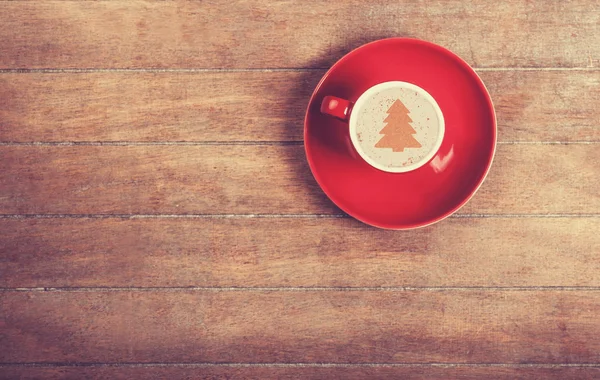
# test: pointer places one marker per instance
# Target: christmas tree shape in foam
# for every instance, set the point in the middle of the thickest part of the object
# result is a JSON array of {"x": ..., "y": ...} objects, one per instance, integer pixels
[{"x": 398, "y": 133}]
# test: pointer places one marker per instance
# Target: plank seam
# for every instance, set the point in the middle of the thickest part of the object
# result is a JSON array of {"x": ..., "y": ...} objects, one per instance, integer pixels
[
  {"x": 244, "y": 143},
  {"x": 576, "y": 142},
  {"x": 507, "y": 216},
  {"x": 149, "y": 143},
  {"x": 216, "y": 289},
  {"x": 244, "y": 70},
  {"x": 302, "y": 365},
  {"x": 171, "y": 216},
  {"x": 271, "y": 216}
]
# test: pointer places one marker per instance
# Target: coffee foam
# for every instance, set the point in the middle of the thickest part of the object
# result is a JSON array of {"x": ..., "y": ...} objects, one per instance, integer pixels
[{"x": 398, "y": 127}]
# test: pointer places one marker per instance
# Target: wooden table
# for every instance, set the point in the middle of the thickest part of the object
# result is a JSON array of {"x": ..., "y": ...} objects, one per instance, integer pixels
[{"x": 158, "y": 217}]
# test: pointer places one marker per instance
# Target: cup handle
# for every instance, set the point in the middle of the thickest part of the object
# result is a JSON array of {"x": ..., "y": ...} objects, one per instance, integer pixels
[{"x": 336, "y": 107}]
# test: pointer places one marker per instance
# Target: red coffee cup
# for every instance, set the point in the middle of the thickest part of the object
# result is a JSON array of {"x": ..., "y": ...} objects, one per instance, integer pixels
[{"x": 339, "y": 145}]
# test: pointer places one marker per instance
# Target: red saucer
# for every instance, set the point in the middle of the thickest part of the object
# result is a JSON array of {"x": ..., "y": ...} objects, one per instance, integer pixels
[{"x": 435, "y": 190}]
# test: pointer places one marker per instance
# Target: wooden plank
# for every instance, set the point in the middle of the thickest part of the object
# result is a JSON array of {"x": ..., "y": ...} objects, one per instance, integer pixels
[
  {"x": 295, "y": 252},
  {"x": 544, "y": 105},
  {"x": 199, "y": 106},
  {"x": 259, "y": 373},
  {"x": 301, "y": 327},
  {"x": 242, "y": 179},
  {"x": 256, "y": 106},
  {"x": 158, "y": 179},
  {"x": 251, "y": 34}
]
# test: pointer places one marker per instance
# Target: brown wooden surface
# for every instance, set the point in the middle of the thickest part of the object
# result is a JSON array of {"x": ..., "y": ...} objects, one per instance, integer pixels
[
  {"x": 254, "y": 326},
  {"x": 258, "y": 372},
  {"x": 257, "y": 106},
  {"x": 292, "y": 252},
  {"x": 262, "y": 179},
  {"x": 259, "y": 34},
  {"x": 158, "y": 218}
]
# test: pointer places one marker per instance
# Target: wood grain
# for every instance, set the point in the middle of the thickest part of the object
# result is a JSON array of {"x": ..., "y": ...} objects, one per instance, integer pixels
[
  {"x": 250, "y": 34},
  {"x": 240, "y": 179},
  {"x": 269, "y": 252},
  {"x": 301, "y": 327},
  {"x": 514, "y": 289},
  {"x": 256, "y": 106},
  {"x": 260, "y": 373},
  {"x": 155, "y": 107}
]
